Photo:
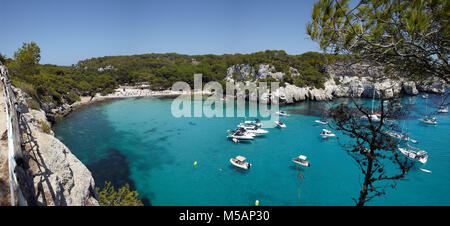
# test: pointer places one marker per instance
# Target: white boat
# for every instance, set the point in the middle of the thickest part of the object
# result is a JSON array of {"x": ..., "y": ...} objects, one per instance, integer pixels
[
  {"x": 246, "y": 126},
  {"x": 430, "y": 121},
  {"x": 321, "y": 122},
  {"x": 375, "y": 117},
  {"x": 255, "y": 122},
  {"x": 326, "y": 133},
  {"x": 301, "y": 160},
  {"x": 426, "y": 119},
  {"x": 442, "y": 109},
  {"x": 283, "y": 113},
  {"x": 420, "y": 155},
  {"x": 257, "y": 131},
  {"x": 241, "y": 134},
  {"x": 280, "y": 124},
  {"x": 239, "y": 161},
  {"x": 425, "y": 96},
  {"x": 399, "y": 136}
]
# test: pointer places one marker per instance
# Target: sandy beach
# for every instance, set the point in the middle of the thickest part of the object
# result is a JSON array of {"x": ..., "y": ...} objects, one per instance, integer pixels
[{"x": 130, "y": 92}]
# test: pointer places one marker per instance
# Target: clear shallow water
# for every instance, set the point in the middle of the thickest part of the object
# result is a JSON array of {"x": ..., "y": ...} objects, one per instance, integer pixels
[{"x": 137, "y": 141}]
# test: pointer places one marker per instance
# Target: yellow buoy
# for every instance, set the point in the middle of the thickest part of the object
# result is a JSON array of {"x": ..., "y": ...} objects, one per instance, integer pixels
[
  {"x": 228, "y": 131},
  {"x": 257, "y": 203},
  {"x": 195, "y": 163}
]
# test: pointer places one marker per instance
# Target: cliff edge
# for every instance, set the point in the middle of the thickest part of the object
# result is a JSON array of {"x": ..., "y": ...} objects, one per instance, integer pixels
[{"x": 58, "y": 178}]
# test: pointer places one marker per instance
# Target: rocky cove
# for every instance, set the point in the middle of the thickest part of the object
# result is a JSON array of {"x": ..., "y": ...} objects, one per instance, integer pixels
[{"x": 59, "y": 178}]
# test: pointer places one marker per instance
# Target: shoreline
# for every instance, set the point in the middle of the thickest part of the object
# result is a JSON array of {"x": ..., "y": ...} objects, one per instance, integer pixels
[{"x": 120, "y": 93}]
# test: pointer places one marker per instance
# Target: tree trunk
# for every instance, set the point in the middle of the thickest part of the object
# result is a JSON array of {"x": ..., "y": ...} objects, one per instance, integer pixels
[{"x": 364, "y": 190}]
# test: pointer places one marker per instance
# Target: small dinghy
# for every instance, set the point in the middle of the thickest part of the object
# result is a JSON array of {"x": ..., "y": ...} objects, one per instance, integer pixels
[
  {"x": 426, "y": 171},
  {"x": 239, "y": 161},
  {"x": 425, "y": 96},
  {"x": 321, "y": 122},
  {"x": 235, "y": 140},
  {"x": 326, "y": 133},
  {"x": 280, "y": 124},
  {"x": 301, "y": 160}
]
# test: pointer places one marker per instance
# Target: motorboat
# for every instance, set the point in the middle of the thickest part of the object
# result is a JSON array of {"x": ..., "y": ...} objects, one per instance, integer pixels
[
  {"x": 241, "y": 134},
  {"x": 399, "y": 136},
  {"x": 246, "y": 126},
  {"x": 326, "y": 133},
  {"x": 280, "y": 124},
  {"x": 321, "y": 122},
  {"x": 257, "y": 131},
  {"x": 301, "y": 160},
  {"x": 419, "y": 155},
  {"x": 240, "y": 162},
  {"x": 255, "y": 122},
  {"x": 283, "y": 113},
  {"x": 425, "y": 96},
  {"x": 442, "y": 109},
  {"x": 430, "y": 121}
]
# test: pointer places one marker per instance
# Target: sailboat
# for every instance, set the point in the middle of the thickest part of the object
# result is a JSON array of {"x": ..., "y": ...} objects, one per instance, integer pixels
[
  {"x": 419, "y": 155},
  {"x": 442, "y": 107},
  {"x": 376, "y": 117},
  {"x": 426, "y": 119}
]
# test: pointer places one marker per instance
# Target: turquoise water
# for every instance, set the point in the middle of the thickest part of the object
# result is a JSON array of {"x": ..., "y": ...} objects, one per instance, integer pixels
[{"x": 137, "y": 141}]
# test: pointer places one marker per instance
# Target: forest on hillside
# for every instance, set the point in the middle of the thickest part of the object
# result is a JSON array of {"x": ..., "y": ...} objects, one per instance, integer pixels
[{"x": 64, "y": 84}]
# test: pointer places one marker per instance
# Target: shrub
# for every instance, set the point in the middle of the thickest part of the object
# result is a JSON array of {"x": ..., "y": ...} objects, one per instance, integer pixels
[
  {"x": 122, "y": 197},
  {"x": 45, "y": 126},
  {"x": 33, "y": 104}
]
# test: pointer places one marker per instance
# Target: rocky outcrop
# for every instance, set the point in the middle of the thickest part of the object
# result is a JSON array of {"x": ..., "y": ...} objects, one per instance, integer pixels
[
  {"x": 59, "y": 178},
  {"x": 245, "y": 72},
  {"x": 357, "y": 80}
]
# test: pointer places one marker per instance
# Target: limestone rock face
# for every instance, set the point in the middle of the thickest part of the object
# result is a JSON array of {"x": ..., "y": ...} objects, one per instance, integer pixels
[
  {"x": 410, "y": 88},
  {"x": 240, "y": 72},
  {"x": 59, "y": 177},
  {"x": 243, "y": 72}
]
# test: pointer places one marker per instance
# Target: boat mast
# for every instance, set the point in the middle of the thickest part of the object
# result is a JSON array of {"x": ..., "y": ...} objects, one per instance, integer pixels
[{"x": 373, "y": 99}]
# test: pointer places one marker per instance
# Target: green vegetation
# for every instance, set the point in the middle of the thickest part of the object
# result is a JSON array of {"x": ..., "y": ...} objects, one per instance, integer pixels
[
  {"x": 122, "y": 197},
  {"x": 45, "y": 126},
  {"x": 407, "y": 36},
  {"x": 64, "y": 84}
]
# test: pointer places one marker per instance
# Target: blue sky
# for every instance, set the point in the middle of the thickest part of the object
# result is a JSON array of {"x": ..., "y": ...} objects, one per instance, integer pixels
[{"x": 69, "y": 31}]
